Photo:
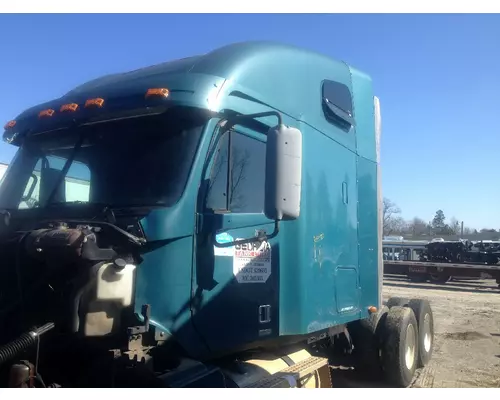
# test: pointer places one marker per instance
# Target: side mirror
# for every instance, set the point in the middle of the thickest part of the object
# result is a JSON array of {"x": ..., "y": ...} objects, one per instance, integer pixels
[{"x": 283, "y": 173}]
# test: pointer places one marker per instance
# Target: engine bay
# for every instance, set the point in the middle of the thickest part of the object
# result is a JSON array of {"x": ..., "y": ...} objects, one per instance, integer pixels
[{"x": 66, "y": 292}]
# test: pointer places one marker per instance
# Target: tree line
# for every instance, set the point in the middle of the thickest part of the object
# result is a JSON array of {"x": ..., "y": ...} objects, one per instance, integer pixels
[{"x": 394, "y": 224}]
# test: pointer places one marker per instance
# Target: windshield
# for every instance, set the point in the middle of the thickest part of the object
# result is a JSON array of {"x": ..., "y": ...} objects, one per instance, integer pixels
[{"x": 131, "y": 162}]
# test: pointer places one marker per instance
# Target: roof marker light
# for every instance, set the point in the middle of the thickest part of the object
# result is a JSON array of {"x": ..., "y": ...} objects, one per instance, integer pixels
[
  {"x": 98, "y": 102},
  {"x": 159, "y": 92},
  {"x": 10, "y": 125},
  {"x": 46, "y": 113},
  {"x": 69, "y": 107}
]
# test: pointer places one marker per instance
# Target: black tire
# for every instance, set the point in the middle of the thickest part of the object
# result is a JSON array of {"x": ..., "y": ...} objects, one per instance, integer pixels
[
  {"x": 366, "y": 337},
  {"x": 398, "y": 321},
  {"x": 492, "y": 260},
  {"x": 425, "y": 321},
  {"x": 397, "y": 301},
  {"x": 418, "y": 278},
  {"x": 440, "y": 278}
]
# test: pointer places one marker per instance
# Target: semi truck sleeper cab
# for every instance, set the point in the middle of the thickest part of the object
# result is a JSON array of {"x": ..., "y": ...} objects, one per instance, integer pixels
[{"x": 181, "y": 224}]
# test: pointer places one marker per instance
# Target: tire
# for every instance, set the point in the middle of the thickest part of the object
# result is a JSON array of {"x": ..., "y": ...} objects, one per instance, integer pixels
[
  {"x": 425, "y": 321},
  {"x": 397, "y": 301},
  {"x": 418, "y": 278},
  {"x": 492, "y": 260},
  {"x": 440, "y": 278},
  {"x": 400, "y": 346},
  {"x": 366, "y": 337}
]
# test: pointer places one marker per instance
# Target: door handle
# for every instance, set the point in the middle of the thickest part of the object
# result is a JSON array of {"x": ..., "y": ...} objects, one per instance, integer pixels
[{"x": 264, "y": 314}]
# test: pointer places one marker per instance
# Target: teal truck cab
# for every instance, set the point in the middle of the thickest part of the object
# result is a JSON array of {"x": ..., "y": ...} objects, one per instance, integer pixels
[{"x": 209, "y": 221}]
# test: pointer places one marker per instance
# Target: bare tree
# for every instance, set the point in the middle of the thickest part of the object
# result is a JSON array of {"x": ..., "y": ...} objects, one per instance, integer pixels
[
  {"x": 396, "y": 225},
  {"x": 391, "y": 218},
  {"x": 455, "y": 226},
  {"x": 418, "y": 227}
]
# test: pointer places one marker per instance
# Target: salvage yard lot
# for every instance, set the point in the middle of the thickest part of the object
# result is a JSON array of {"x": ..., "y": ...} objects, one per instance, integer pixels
[
  {"x": 467, "y": 334},
  {"x": 467, "y": 331}
]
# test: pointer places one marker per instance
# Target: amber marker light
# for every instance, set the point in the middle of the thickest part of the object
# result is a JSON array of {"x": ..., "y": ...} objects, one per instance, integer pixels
[
  {"x": 72, "y": 107},
  {"x": 46, "y": 113},
  {"x": 10, "y": 125},
  {"x": 157, "y": 92},
  {"x": 98, "y": 102}
]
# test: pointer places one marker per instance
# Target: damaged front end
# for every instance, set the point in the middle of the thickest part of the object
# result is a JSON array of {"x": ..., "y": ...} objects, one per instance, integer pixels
[{"x": 66, "y": 306}]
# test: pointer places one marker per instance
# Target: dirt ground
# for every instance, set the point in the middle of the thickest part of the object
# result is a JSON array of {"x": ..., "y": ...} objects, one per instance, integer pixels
[
  {"x": 467, "y": 331},
  {"x": 467, "y": 335}
]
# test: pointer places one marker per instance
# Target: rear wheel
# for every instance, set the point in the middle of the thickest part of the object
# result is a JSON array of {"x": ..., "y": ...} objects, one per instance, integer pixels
[
  {"x": 400, "y": 346},
  {"x": 425, "y": 321},
  {"x": 397, "y": 301}
]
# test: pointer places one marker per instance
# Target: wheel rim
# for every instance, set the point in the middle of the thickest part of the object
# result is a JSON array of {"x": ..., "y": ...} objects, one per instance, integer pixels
[
  {"x": 410, "y": 346},
  {"x": 427, "y": 333}
]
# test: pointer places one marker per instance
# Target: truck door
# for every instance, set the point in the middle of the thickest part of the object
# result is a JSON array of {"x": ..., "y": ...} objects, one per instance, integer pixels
[{"x": 235, "y": 294}]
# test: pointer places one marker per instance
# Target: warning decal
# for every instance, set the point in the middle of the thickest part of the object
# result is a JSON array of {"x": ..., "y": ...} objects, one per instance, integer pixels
[{"x": 252, "y": 262}]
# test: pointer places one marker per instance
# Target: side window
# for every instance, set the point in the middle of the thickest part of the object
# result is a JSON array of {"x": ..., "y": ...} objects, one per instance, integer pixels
[
  {"x": 240, "y": 187},
  {"x": 76, "y": 182},
  {"x": 217, "y": 187},
  {"x": 248, "y": 161},
  {"x": 337, "y": 104}
]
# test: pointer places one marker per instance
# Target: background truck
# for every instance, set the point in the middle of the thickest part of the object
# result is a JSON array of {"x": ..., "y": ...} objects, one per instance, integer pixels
[
  {"x": 440, "y": 261},
  {"x": 212, "y": 221}
]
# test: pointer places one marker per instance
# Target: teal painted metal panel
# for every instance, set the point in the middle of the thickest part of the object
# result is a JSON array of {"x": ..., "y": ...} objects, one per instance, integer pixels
[
  {"x": 368, "y": 234},
  {"x": 324, "y": 265},
  {"x": 164, "y": 282},
  {"x": 362, "y": 91},
  {"x": 317, "y": 247}
]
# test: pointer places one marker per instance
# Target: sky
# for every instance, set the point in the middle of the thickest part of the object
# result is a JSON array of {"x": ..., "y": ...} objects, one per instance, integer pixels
[{"x": 437, "y": 77}]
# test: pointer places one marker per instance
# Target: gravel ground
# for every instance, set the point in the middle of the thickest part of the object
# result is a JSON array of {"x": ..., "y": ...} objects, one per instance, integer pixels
[{"x": 467, "y": 331}]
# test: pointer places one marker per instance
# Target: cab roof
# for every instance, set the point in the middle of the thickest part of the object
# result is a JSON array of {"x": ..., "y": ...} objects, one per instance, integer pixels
[
  {"x": 254, "y": 65},
  {"x": 248, "y": 76}
]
